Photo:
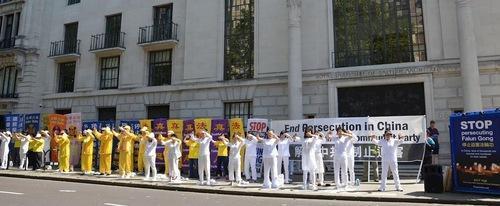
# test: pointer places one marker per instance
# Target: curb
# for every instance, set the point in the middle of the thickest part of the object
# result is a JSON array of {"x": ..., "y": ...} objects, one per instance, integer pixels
[{"x": 255, "y": 194}]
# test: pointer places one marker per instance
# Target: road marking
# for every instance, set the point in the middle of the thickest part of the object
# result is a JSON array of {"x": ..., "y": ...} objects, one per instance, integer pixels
[
  {"x": 111, "y": 204},
  {"x": 11, "y": 193},
  {"x": 67, "y": 191}
]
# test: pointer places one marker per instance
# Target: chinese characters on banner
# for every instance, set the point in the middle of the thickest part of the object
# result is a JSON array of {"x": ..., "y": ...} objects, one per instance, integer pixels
[
  {"x": 219, "y": 127},
  {"x": 57, "y": 123},
  {"x": 32, "y": 123},
  {"x": 258, "y": 127},
  {"x": 187, "y": 129}
]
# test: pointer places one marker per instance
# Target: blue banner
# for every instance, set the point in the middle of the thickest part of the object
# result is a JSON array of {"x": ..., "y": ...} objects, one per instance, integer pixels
[
  {"x": 14, "y": 122},
  {"x": 97, "y": 124},
  {"x": 134, "y": 124},
  {"x": 475, "y": 147},
  {"x": 32, "y": 123}
]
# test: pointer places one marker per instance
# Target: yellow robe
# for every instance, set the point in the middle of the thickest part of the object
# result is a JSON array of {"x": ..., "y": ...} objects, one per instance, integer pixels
[
  {"x": 87, "y": 152},
  {"x": 125, "y": 147},
  {"x": 106, "y": 140},
  {"x": 142, "y": 149},
  {"x": 64, "y": 148}
]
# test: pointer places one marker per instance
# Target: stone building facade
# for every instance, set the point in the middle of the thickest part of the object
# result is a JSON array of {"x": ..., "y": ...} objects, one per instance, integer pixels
[{"x": 321, "y": 83}]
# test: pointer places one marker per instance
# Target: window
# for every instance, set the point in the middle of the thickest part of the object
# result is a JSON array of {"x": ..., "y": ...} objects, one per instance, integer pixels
[
  {"x": 162, "y": 22},
  {"x": 242, "y": 110},
  {"x": 71, "y": 2},
  {"x": 107, "y": 114},
  {"x": 66, "y": 77},
  {"x": 378, "y": 32},
  {"x": 384, "y": 100},
  {"x": 239, "y": 39},
  {"x": 157, "y": 112},
  {"x": 160, "y": 68},
  {"x": 70, "y": 38},
  {"x": 110, "y": 68},
  {"x": 8, "y": 78},
  {"x": 113, "y": 31},
  {"x": 62, "y": 111},
  {"x": 18, "y": 17}
]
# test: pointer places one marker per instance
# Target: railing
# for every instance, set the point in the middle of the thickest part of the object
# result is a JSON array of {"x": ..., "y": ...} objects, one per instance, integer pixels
[
  {"x": 8, "y": 43},
  {"x": 107, "y": 40},
  {"x": 160, "y": 32},
  {"x": 59, "y": 48}
]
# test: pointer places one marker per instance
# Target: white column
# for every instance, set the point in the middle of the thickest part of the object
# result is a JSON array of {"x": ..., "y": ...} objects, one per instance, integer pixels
[
  {"x": 468, "y": 57},
  {"x": 294, "y": 60}
]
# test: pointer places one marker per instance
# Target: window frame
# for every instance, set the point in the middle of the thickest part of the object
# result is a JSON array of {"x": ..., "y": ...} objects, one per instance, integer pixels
[
  {"x": 247, "y": 104},
  {"x": 101, "y": 113},
  {"x": 150, "y": 110},
  {"x": 72, "y": 2},
  {"x": 8, "y": 80},
  {"x": 63, "y": 87},
  {"x": 154, "y": 66},
  {"x": 103, "y": 69}
]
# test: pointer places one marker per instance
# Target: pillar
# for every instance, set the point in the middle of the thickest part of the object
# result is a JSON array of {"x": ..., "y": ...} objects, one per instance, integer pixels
[
  {"x": 468, "y": 57},
  {"x": 294, "y": 60}
]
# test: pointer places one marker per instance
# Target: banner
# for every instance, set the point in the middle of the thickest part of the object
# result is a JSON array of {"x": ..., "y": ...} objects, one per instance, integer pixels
[
  {"x": 258, "y": 127},
  {"x": 160, "y": 127},
  {"x": 14, "y": 122},
  {"x": 475, "y": 147},
  {"x": 32, "y": 123},
  {"x": 146, "y": 123},
  {"x": 57, "y": 123},
  {"x": 236, "y": 126},
  {"x": 135, "y": 125},
  {"x": 175, "y": 125},
  {"x": 219, "y": 127},
  {"x": 188, "y": 128},
  {"x": 73, "y": 123},
  {"x": 412, "y": 127},
  {"x": 203, "y": 124}
]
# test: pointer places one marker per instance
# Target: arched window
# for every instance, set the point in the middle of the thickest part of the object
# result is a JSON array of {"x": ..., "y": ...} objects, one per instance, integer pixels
[{"x": 8, "y": 80}]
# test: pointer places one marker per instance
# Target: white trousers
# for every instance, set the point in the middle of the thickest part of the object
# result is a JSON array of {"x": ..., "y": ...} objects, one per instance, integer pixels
[
  {"x": 270, "y": 170},
  {"x": 350, "y": 168},
  {"x": 340, "y": 169},
  {"x": 234, "y": 168},
  {"x": 284, "y": 161},
  {"x": 5, "y": 158},
  {"x": 312, "y": 177},
  {"x": 250, "y": 164},
  {"x": 203, "y": 166},
  {"x": 393, "y": 165},
  {"x": 23, "y": 164},
  {"x": 173, "y": 168},
  {"x": 149, "y": 164}
]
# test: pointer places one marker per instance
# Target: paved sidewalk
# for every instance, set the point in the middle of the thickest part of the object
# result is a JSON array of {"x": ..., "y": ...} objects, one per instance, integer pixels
[{"x": 366, "y": 192}]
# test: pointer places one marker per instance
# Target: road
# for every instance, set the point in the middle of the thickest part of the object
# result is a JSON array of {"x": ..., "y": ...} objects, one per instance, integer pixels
[{"x": 29, "y": 192}]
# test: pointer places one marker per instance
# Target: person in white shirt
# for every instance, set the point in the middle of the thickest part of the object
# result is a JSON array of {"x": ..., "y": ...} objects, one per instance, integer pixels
[
  {"x": 150, "y": 157},
  {"x": 174, "y": 153},
  {"x": 234, "y": 166},
  {"x": 269, "y": 157},
  {"x": 23, "y": 149},
  {"x": 284, "y": 155},
  {"x": 389, "y": 148},
  {"x": 250, "y": 161},
  {"x": 309, "y": 166},
  {"x": 5, "y": 137},
  {"x": 320, "y": 166},
  {"x": 340, "y": 158},
  {"x": 350, "y": 156},
  {"x": 204, "y": 139}
]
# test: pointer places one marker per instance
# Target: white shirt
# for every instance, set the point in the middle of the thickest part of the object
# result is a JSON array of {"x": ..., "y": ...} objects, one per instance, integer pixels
[
  {"x": 308, "y": 153},
  {"x": 25, "y": 143},
  {"x": 388, "y": 148},
  {"x": 340, "y": 146},
  {"x": 4, "y": 147},
  {"x": 174, "y": 150},
  {"x": 350, "y": 145},
  {"x": 317, "y": 146},
  {"x": 234, "y": 150},
  {"x": 270, "y": 148},
  {"x": 151, "y": 147},
  {"x": 284, "y": 148},
  {"x": 251, "y": 149},
  {"x": 204, "y": 144}
]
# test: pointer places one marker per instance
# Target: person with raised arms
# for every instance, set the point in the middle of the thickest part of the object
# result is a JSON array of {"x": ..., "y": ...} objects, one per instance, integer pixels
[
  {"x": 126, "y": 138},
  {"x": 284, "y": 155},
  {"x": 63, "y": 143},
  {"x": 234, "y": 166},
  {"x": 24, "y": 141},
  {"x": 204, "y": 139},
  {"x": 353, "y": 138},
  {"x": 340, "y": 158},
  {"x": 389, "y": 147},
  {"x": 143, "y": 139},
  {"x": 318, "y": 156},
  {"x": 250, "y": 161},
  {"x": 87, "y": 139},
  {"x": 309, "y": 166},
  {"x": 269, "y": 157},
  {"x": 149, "y": 155},
  {"x": 105, "y": 149},
  {"x": 5, "y": 137},
  {"x": 174, "y": 153}
]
